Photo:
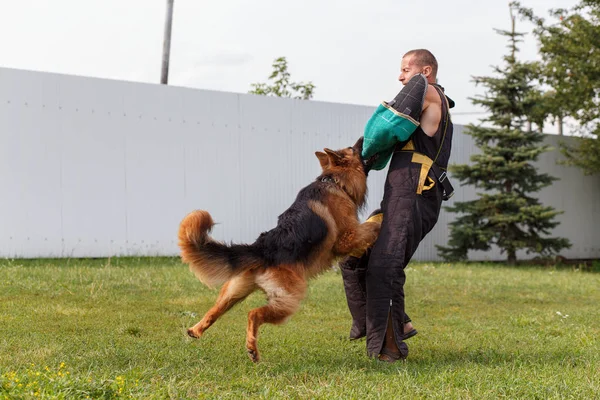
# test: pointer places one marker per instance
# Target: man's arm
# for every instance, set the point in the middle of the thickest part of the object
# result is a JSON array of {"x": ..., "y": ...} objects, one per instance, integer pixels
[
  {"x": 397, "y": 120},
  {"x": 432, "y": 112}
]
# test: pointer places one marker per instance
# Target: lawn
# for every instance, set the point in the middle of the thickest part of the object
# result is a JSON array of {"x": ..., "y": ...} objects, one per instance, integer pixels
[{"x": 111, "y": 328}]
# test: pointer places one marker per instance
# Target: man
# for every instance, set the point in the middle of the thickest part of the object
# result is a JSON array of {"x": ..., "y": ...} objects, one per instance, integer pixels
[{"x": 415, "y": 131}]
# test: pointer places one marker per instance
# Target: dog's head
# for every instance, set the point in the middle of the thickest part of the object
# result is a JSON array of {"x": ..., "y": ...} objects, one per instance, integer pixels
[
  {"x": 347, "y": 169},
  {"x": 348, "y": 157}
]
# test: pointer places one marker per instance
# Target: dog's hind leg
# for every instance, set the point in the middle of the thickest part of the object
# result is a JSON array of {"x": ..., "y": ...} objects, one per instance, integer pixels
[
  {"x": 285, "y": 289},
  {"x": 232, "y": 292}
]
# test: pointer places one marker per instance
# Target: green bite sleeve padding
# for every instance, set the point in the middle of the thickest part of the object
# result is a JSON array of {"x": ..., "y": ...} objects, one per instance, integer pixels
[{"x": 383, "y": 131}]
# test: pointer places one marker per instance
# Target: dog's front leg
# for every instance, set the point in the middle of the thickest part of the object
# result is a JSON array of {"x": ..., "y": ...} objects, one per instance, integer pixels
[{"x": 358, "y": 239}]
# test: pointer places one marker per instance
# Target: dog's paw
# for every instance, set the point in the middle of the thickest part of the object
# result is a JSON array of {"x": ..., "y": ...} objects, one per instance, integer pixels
[
  {"x": 372, "y": 234},
  {"x": 193, "y": 334},
  {"x": 253, "y": 354}
]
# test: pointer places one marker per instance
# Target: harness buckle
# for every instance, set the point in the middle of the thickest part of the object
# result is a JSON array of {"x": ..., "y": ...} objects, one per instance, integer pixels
[
  {"x": 446, "y": 197},
  {"x": 442, "y": 177}
]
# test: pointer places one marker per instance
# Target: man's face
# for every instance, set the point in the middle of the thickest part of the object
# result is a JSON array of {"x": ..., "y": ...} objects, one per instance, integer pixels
[{"x": 408, "y": 69}]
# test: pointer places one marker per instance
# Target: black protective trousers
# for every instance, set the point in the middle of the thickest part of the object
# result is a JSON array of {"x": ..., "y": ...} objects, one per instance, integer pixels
[{"x": 374, "y": 283}]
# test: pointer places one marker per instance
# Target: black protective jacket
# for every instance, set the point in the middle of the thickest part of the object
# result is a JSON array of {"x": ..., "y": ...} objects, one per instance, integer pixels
[{"x": 411, "y": 205}]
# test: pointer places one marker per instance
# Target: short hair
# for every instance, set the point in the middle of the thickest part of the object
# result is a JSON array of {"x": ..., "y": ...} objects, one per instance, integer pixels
[{"x": 424, "y": 58}]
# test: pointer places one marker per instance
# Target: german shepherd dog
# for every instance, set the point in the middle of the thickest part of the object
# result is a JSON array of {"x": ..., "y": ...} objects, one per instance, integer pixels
[{"x": 320, "y": 226}]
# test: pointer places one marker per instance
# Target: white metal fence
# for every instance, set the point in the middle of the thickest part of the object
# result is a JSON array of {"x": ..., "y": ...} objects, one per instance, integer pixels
[{"x": 92, "y": 167}]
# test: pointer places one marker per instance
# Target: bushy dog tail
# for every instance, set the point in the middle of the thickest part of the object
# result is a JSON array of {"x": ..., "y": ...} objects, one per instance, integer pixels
[{"x": 212, "y": 262}]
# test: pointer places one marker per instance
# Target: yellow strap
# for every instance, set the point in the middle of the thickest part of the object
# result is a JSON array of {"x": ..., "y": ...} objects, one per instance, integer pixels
[
  {"x": 357, "y": 253},
  {"x": 409, "y": 146},
  {"x": 426, "y": 163},
  {"x": 430, "y": 185},
  {"x": 375, "y": 218}
]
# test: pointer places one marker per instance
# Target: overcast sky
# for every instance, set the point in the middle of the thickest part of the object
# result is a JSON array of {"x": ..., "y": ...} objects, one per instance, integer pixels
[{"x": 351, "y": 50}]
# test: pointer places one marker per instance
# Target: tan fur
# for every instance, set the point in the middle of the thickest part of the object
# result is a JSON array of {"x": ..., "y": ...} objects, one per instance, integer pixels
[
  {"x": 193, "y": 232},
  {"x": 284, "y": 285}
]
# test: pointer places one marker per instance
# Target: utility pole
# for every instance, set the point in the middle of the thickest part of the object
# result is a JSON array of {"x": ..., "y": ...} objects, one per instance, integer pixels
[
  {"x": 560, "y": 125},
  {"x": 164, "y": 76}
]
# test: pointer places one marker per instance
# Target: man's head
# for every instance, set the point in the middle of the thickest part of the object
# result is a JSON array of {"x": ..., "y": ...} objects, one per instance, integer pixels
[{"x": 419, "y": 61}]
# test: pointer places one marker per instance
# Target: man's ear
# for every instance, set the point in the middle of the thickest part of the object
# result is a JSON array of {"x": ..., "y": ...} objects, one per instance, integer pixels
[
  {"x": 334, "y": 157},
  {"x": 427, "y": 71},
  {"x": 323, "y": 159}
]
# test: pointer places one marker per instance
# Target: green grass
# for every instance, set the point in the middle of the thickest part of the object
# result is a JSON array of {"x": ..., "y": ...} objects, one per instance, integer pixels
[{"x": 116, "y": 328}]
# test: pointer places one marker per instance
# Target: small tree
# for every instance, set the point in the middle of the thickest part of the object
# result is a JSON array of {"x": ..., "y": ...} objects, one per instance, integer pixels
[
  {"x": 505, "y": 214},
  {"x": 281, "y": 86},
  {"x": 570, "y": 49}
]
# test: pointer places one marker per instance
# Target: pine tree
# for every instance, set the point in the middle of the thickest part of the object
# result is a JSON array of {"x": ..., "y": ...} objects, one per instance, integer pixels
[{"x": 505, "y": 213}]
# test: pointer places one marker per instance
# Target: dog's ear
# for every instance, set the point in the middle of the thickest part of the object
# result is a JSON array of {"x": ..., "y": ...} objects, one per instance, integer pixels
[
  {"x": 323, "y": 159},
  {"x": 358, "y": 146},
  {"x": 334, "y": 156}
]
